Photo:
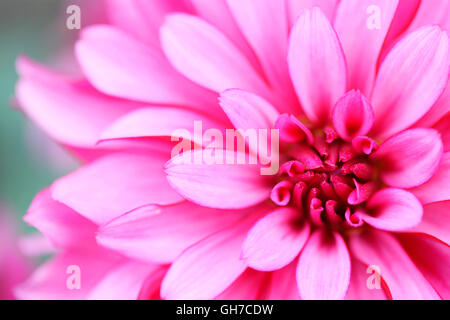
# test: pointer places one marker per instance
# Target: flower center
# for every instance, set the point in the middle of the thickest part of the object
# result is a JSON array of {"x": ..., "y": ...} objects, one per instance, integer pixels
[{"x": 326, "y": 178}]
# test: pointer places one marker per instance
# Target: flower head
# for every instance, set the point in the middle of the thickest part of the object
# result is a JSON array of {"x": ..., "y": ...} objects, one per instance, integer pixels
[{"x": 361, "y": 113}]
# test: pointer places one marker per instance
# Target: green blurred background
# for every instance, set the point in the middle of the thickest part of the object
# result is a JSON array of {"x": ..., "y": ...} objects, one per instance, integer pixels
[{"x": 30, "y": 27}]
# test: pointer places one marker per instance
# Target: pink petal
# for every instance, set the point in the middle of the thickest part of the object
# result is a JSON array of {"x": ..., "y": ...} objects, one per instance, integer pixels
[
  {"x": 315, "y": 53},
  {"x": 352, "y": 17},
  {"x": 437, "y": 188},
  {"x": 379, "y": 248},
  {"x": 296, "y": 6},
  {"x": 282, "y": 287},
  {"x": 293, "y": 168},
  {"x": 406, "y": 10},
  {"x": 64, "y": 227},
  {"x": 152, "y": 285},
  {"x": 292, "y": 130},
  {"x": 223, "y": 186},
  {"x": 443, "y": 127},
  {"x": 323, "y": 270},
  {"x": 307, "y": 156},
  {"x": 136, "y": 72},
  {"x": 49, "y": 281},
  {"x": 352, "y": 115},
  {"x": 264, "y": 24},
  {"x": 432, "y": 12},
  {"x": 250, "y": 113},
  {"x": 435, "y": 221},
  {"x": 208, "y": 267},
  {"x": 433, "y": 260},
  {"x": 275, "y": 240},
  {"x": 141, "y": 18},
  {"x": 410, "y": 80},
  {"x": 70, "y": 111},
  {"x": 251, "y": 285},
  {"x": 204, "y": 55},
  {"x": 123, "y": 282},
  {"x": 15, "y": 264},
  {"x": 438, "y": 111},
  {"x": 114, "y": 185},
  {"x": 393, "y": 210},
  {"x": 218, "y": 14},
  {"x": 358, "y": 289},
  {"x": 409, "y": 158},
  {"x": 247, "y": 110},
  {"x": 160, "y": 233},
  {"x": 160, "y": 122},
  {"x": 361, "y": 193},
  {"x": 363, "y": 144},
  {"x": 281, "y": 193}
]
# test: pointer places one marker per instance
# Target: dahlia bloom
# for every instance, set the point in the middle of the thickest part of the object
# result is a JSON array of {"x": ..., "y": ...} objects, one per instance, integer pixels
[{"x": 362, "y": 115}]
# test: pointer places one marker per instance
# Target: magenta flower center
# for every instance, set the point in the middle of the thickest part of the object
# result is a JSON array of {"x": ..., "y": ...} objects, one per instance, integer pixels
[{"x": 326, "y": 178}]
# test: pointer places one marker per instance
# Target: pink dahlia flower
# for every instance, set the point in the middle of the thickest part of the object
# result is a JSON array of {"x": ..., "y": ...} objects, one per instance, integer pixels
[{"x": 360, "y": 206}]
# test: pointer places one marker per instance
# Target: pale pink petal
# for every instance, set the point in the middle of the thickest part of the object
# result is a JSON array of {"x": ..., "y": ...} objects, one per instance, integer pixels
[
  {"x": 281, "y": 285},
  {"x": 323, "y": 270},
  {"x": 296, "y": 6},
  {"x": 247, "y": 110},
  {"x": 410, "y": 158},
  {"x": 358, "y": 288},
  {"x": 264, "y": 24},
  {"x": 251, "y": 285},
  {"x": 142, "y": 18},
  {"x": 137, "y": 71},
  {"x": 54, "y": 279},
  {"x": 353, "y": 17},
  {"x": 160, "y": 233},
  {"x": 433, "y": 260},
  {"x": 275, "y": 240},
  {"x": 114, "y": 185},
  {"x": 64, "y": 227},
  {"x": 380, "y": 249},
  {"x": 410, "y": 80},
  {"x": 352, "y": 115},
  {"x": 123, "y": 282},
  {"x": 224, "y": 186},
  {"x": 203, "y": 54},
  {"x": 432, "y": 12},
  {"x": 438, "y": 111},
  {"x": 435, "y": 221},
  {"x": 252, "y": 115},
  {"x": 218, "y": 14},
  {"x": 70, "y": 111},
  {"x": 437, "y": 188},
  {"x": 315, "y": 53},
  {"x": 160, "y": 122},
  {"x": 208, "y": 267},
  {"x": 393, "y": 210}
]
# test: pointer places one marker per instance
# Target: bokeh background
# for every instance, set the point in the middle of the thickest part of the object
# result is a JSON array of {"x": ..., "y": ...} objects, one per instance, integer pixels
[{"x": 37, "y": 29}]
